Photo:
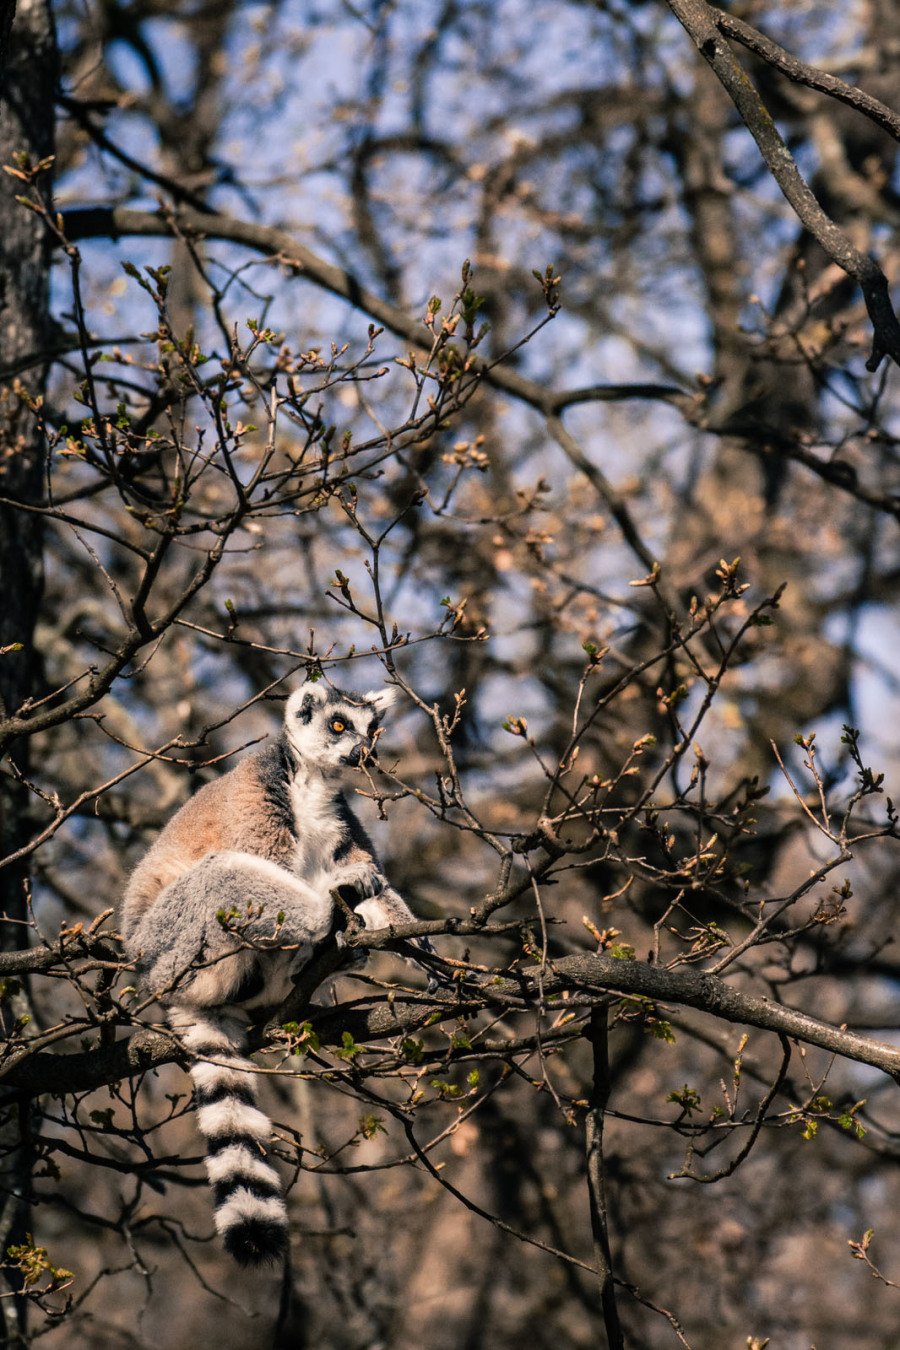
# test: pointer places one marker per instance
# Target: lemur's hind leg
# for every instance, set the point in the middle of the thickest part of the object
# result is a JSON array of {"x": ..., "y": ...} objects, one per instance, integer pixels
[{"x": 232, "y": 922}]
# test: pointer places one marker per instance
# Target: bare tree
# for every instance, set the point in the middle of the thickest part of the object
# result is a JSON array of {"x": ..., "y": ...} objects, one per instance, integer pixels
[
  {"x": 28, "y": 69},
  {"x": 621, "y": 528}
]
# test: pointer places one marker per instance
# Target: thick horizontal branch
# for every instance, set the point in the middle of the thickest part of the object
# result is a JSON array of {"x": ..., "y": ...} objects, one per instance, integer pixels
[
  {"x": 600, "y": 973},
  {"x": 762, "y": 439},
  {"x": 367, "y": 1019},
  {"x": 72, "y": 945},
  {"x": 58, "y": 1075}
]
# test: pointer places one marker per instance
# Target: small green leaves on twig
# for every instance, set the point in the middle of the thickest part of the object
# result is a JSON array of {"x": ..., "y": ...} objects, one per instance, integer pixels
[
  {"x": 727, "y": 574},
  {"x": 516, "y": 726},
  {"x": 301, "y": 1038},
  {"x": 651, "y": 578},
  {"x": 869, "y": 781},
  {"x": 549, "y": 283},
  {"x": 860, "y": 1251},
  {"x": 594, "y": 653},
  {"x": 342, "y": 583},
  {"x": 687, "y": 1098},
  {"x": 33, "y": 1264},
  {"x": 348, "y": 1049},
  {"x": 23, "y": 168}
]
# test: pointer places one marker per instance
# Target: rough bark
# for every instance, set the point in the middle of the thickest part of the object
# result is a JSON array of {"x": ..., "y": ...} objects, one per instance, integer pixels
[{"x": 26, "y": 129}]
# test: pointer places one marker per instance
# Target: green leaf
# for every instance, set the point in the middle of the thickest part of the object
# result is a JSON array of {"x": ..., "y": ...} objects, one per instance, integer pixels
[
  {"x": 369, "y": 1126},
  {"x": 446, "y": 1089},
  {"x": 349, "y": 1049}
]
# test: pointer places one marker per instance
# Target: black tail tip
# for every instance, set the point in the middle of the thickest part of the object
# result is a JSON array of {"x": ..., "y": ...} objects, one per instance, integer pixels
[{"x": 258, "y": 1242}]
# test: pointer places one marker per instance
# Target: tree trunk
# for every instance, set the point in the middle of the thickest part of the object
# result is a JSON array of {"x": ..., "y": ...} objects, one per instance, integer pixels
[{"x": 28, "y": 61}]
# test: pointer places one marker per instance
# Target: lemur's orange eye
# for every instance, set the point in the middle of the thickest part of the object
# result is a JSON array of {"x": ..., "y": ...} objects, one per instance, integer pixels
[{"x": 338, "y": 725}]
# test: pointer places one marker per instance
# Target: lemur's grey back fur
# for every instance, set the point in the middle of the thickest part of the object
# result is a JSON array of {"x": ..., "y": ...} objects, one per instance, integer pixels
[{"x": 226, "y": 908}]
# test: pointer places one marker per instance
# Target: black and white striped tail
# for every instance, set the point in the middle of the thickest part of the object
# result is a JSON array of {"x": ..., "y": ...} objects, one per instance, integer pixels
[{"x": 250, "y": 1211}]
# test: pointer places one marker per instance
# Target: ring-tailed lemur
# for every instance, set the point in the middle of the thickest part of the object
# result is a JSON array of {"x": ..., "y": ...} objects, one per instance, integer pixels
[{"x": 228, "y": 905}]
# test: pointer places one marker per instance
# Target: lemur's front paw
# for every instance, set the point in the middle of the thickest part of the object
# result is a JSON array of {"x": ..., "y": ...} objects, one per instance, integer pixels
[
  {"x": 357, "y": 956},
  {"x": 358, "y": 881},
  {"x": 437, "y": 980}
]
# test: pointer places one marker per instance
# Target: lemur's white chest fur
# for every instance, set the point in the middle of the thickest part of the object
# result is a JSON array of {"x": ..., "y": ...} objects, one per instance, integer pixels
[{"x": 317, "y": 825}]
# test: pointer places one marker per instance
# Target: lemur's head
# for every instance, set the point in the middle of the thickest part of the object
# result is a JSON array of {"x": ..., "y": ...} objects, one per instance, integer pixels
[{"x": 332, "y": 729}]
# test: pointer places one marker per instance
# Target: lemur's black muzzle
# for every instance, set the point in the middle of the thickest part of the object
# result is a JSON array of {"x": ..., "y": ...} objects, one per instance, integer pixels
[{"x": 362, "y": 750}]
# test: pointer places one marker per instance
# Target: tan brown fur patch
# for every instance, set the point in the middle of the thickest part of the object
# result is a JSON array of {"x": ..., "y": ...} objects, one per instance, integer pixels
[{"x": 230, "y": 813}]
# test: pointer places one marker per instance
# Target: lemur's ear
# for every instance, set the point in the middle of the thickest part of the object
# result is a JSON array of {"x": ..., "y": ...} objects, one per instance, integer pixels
[
  {"x": 302, "y": 701},
  {"x": 381, "y": 699}
]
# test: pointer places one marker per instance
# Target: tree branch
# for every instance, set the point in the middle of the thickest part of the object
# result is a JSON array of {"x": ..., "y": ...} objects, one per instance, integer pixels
[
  {"x": 598, "y": 1035},
  {"x": 700, "y": 23},
  {"x": 367, "y": 1019},
  {"x": 281, "y": 246},
  {"x": 802, "y": 73}
]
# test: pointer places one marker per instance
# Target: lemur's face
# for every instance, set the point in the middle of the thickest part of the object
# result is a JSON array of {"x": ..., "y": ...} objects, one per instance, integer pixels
[{"x": 334, "y": 730}]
